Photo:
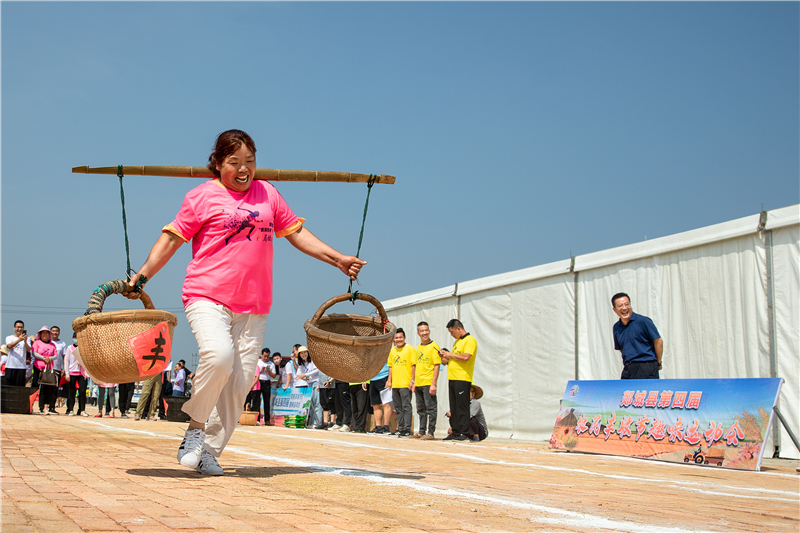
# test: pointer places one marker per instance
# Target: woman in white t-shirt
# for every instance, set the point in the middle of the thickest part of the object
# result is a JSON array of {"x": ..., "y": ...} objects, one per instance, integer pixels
[{"x": 308, "y": 376}]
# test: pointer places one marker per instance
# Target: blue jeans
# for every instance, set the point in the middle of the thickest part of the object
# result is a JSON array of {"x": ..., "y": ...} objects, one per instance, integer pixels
[{"x": 177, "y": 392}]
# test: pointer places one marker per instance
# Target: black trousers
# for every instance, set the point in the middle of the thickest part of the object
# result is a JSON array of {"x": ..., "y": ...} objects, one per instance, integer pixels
[
  {"x": 343, "y": 408},
  {"x": 358, "y": 403},
  {"x": 459, "y": 407},
  {"x": 251, "y": 403},
  {"x": 76, "y": 384},
  {"x": 327, "y": 400},
  {"x": 644, "y": 370},
  {"x": 266, "y": 391},
  {"x": 15, "y": 377},
  {"x": 125, "y": 395}
]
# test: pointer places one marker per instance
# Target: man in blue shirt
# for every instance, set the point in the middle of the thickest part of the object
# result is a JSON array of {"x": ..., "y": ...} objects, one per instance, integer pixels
[{"x": 637, "y": 338}]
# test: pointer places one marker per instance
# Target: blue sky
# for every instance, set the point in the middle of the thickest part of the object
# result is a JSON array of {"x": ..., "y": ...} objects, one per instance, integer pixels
[{"x": 518, "y": 132}]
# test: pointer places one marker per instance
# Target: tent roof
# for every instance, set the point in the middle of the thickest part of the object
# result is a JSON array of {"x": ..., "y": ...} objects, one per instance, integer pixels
[{"x": 776, "y": 218}]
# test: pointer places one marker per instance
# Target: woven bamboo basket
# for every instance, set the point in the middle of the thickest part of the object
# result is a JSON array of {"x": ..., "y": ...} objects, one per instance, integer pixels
[
  {"x": 351, "y": 348},
  {"x": 103, "y": 337},
  {"x": 248, "y": 418}
]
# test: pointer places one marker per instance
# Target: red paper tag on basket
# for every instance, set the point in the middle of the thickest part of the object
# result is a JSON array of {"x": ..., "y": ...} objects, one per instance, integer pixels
[{"x": 151, "y": 349}]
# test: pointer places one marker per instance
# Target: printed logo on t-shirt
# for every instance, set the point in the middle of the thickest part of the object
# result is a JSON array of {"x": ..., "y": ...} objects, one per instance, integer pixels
[{"x": 237, "y": 223}]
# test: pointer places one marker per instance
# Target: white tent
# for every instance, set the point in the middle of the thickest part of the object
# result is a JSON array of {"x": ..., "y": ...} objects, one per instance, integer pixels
[{"x": 725, "y": 298}]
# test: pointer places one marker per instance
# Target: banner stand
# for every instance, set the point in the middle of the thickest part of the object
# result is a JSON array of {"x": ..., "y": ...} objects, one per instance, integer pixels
[{"x": 788, "y": 430}]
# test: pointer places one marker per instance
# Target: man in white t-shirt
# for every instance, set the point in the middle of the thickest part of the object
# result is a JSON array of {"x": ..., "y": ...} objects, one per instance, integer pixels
[
  {"x": 58, "y": 363},
  {"x": 265, "y": 382},
  {"x": 18, "y": 350}
]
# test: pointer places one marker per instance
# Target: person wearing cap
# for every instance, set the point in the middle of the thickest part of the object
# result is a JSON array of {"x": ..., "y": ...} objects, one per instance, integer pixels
[
  {"x": 44, "y": 355},
  {"x": 477, "y": 423},
  {"x": 308, "y": 376},
  {"x": 18, "y": 350},
  {"x": 460, "y": 367}
]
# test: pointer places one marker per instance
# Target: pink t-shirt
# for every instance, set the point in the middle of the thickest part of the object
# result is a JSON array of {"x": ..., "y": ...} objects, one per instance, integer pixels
[
  {"x": 231, "y": 236},
  {"x": 47, "y": 350}
]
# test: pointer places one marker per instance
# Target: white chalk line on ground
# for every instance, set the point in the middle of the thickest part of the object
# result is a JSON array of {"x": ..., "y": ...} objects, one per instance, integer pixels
[
  {"x": 685, "y": 485},
  {"x": 562, "y": 517}
]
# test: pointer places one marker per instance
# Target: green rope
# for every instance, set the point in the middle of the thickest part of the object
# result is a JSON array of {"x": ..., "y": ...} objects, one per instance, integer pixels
[
  {"x": 142, "y": 279},
  {"x": 372, "y": 179},
  {"x": 124, "y": 221}
]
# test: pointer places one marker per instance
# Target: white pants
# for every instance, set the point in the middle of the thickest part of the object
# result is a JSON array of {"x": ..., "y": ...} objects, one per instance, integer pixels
[{"x": 230, "y": 344}]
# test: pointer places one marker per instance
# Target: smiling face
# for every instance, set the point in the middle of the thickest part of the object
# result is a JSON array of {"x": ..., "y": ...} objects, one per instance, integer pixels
[
  {"x": 19, "y": 327},
  {"x": 424, "y": 333},
  {"x": 237, "y": 170},
  {"x": 45, "y": 336},
  {"x": 400, "y": 340},
  {"x": 622, "y": 308},
  {"x": 56, "y": 331}
]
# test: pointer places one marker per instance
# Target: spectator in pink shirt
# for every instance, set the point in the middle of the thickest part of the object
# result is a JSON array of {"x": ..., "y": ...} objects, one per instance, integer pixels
[
  {"x": 44, "y": 354},
  {"x": 231, "y": 222}
]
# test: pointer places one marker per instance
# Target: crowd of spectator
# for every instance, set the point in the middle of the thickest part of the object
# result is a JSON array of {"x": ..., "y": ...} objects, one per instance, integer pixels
[{"x": 49, "y": 364}]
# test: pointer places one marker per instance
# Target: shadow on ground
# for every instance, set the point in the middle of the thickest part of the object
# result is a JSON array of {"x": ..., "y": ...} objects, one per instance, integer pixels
[{"x": 258, "y": 472}]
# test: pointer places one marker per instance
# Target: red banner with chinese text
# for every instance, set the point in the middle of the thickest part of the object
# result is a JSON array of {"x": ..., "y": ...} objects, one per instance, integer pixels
[
  {"x": 152, "y": 349},
  {"x": 716, "y": 422}
]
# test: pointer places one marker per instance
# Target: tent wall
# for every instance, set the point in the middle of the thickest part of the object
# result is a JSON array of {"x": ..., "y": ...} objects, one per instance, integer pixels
[
  {"x": 786, "y": 277},
  {"x": 725, "y": 298}
]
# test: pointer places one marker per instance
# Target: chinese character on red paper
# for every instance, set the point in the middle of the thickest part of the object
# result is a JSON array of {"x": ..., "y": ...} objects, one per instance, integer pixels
[
  {"x": 610, "y": 425},
  {"x": 641, "y": 425},
  {"x": 694, "y": 399},
  {"x": 638, "y": 401},
  {"x": 652, "y": 399},
  {"x": 657, "y": 430},
  {"x": 625, "y": 427},
  {"x": 595, "y": 429},
  {"x": 675, "y": 430},
  {"x": 734, "y": 434},
  {"x": 666, "y": 398},
  {"x": 692, "y": 436},
  {"x": 627, "y": 399},
  {"x": 678, "y": 400},
  {"x": 713, "y": 433},
  {"x": 581, "y": 426}
]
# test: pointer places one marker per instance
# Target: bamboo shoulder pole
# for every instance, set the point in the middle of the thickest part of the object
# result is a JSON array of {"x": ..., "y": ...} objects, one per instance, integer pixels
[{"x": 269, "y": 174}]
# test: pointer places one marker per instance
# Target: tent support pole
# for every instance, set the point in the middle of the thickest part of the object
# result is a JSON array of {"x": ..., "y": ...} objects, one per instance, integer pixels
[
  {"x": 786, "y": 427},
  {"x": 773, "y": 356},
  {"x": 575, "y": 311}
]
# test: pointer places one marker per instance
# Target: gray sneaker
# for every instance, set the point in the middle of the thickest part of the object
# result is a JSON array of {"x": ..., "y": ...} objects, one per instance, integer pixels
[
  {"x": 208, "y": 465},
  {"x": 191, "y": 448}
]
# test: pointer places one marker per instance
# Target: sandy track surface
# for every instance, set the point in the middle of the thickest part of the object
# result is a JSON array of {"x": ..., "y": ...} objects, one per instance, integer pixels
[{"x": 78, "y": 474}]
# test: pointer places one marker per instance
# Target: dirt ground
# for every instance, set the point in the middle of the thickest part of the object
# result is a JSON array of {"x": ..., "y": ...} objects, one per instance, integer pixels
[{"x": 75, "y": 474}]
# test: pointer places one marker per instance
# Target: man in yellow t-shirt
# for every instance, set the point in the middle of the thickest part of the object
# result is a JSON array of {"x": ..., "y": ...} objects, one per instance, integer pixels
[
  {"x": 426, "y": 372},
  {"x": 401, "y": 380},
  {"x": 460, "y": 365}
]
